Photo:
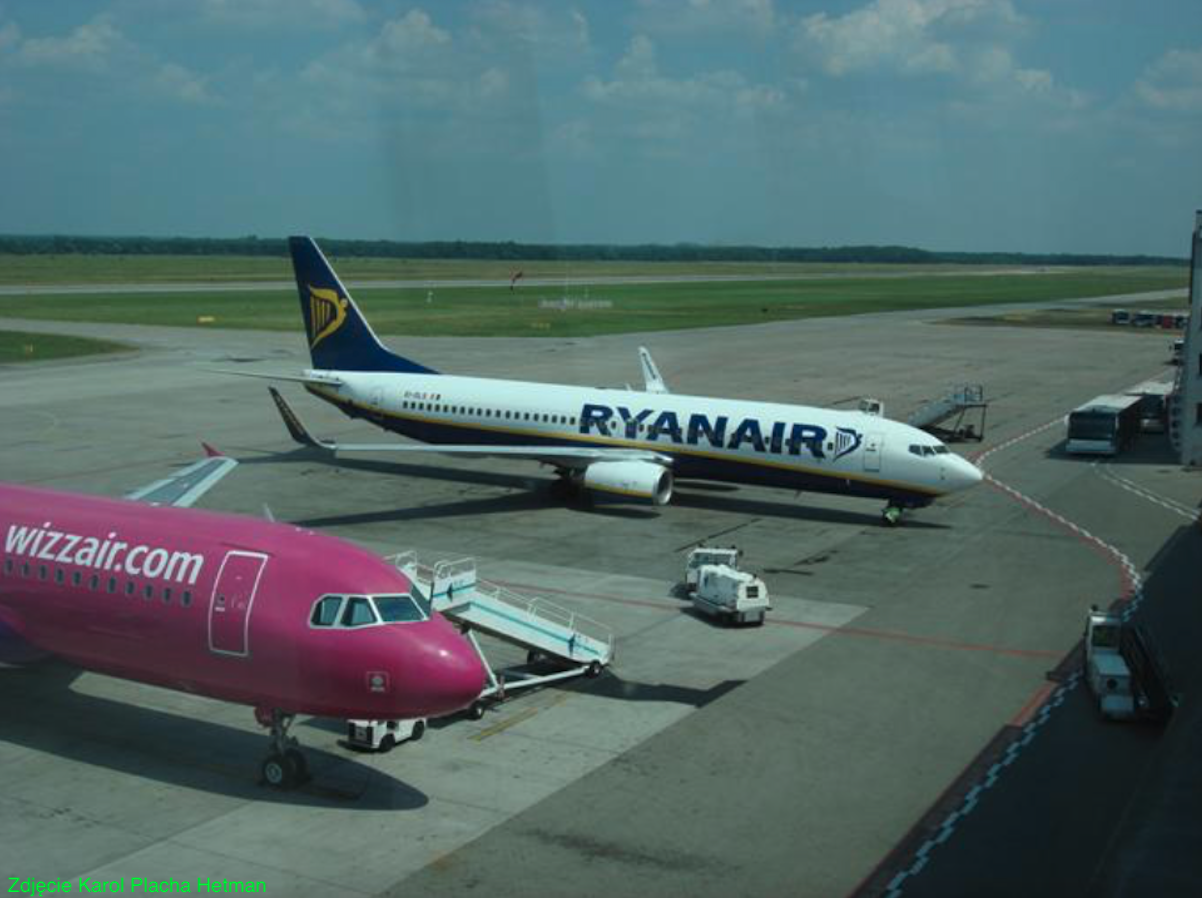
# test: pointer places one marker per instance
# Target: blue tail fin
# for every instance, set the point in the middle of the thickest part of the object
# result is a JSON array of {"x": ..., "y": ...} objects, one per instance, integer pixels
[{"x": 339, "y": 336}]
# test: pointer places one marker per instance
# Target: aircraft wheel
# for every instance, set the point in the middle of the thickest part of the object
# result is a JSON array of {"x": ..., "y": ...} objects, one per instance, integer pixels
[
  {"x": 419, "y": 730},
  {"x": 278, "y": 771},
  {"x": 593, "y": 670},
  {"x": 476, "y": 710},
  {"x": 891, "y": 515}
]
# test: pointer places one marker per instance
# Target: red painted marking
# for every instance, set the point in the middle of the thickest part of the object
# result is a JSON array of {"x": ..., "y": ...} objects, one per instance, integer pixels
[
  {"x": 913, "y": 639},
  {"x": 1034, "y": 703}
]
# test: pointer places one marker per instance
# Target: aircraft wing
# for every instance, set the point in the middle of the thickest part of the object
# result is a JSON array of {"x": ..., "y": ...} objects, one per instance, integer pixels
[
  {"x": 560, "y": 456},
  {"x": 185, "y": 486}
]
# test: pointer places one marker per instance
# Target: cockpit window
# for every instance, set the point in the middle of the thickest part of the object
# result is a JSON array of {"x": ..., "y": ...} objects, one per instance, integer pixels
[
  {"x": 923, "y": 451},
  {"x": 358, "y": 613},
  {"x": 398, "y": 609},
  {"x": 325, "y": 612}
]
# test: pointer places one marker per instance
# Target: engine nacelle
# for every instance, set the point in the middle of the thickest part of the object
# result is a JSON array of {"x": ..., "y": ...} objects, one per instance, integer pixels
[{"x": 636, "y": 479}]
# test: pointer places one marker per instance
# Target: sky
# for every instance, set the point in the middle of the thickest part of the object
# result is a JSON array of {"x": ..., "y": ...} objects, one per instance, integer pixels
[{"x": 978, "y": 125}]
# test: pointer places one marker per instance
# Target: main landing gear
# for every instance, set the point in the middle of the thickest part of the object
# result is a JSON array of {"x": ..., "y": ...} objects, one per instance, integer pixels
[
  {"x": 892, "y": 515},
  {"x": 285, "y": 766}
]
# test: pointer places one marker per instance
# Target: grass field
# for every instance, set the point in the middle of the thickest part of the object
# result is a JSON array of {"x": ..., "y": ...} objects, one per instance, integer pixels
[
  {"x": 601, "y": 309},
  {"x": 103, "y": 269},
  {"x": 113, "y": 269},
  {"x": 19, "y": 346}
]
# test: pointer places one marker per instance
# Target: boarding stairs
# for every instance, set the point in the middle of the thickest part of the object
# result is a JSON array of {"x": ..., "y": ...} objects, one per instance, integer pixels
[
  {"x": 579, "y": 644},
  {"x": 959, "y": 415}
]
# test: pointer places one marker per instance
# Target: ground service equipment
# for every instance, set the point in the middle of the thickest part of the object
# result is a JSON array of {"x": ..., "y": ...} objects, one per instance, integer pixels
[
  {"x": 1124, "y": 672},
  {"x": 731, "y": 595},
  {"x": 703, "y": 555}
]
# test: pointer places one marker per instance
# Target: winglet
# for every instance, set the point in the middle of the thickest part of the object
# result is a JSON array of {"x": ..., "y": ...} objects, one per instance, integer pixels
[
  {"x": 210, "y": 451},
  {"x": 296, "y": 429},
  {"x": 651, "y": 377}
]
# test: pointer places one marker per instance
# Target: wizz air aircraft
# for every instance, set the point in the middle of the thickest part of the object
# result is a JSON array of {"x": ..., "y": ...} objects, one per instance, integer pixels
[
  {"x": 616, "y": 441},
  {"x": 268, "y": 615}
]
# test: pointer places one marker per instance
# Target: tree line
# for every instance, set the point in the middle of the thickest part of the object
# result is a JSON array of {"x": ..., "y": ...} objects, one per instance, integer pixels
[{"x": 61, "y": 244}]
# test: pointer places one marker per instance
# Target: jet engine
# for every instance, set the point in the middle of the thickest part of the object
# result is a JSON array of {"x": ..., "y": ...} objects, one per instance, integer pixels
[{"x": 638, "y": 479}]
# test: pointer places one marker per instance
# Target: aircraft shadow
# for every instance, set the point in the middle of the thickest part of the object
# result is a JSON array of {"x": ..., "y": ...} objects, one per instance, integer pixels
[
  {"x": 768, "y": 508},
  {"x": 611, "y": 685},
  {"x": 43, "y": 713}
]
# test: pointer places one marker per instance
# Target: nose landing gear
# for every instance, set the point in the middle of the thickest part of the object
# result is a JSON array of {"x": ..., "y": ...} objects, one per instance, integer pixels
[
  {"x": 285, "y": 766},
  {"x": 892, "y": 515}
]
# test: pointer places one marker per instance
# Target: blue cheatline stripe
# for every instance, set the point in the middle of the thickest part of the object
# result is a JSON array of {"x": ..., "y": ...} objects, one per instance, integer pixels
[
  {"x": 581, "y": 642},
  {"x": 788, "y": 476}
]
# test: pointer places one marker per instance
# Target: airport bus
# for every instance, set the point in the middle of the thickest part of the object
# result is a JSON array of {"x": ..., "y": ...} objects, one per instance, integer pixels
[
  {"x": 1104, "y": 425},
  {"x": 1153, "y": 405}
]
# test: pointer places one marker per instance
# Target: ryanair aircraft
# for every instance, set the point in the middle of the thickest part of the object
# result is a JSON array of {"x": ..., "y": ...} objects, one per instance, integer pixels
[{"x": 616, "y": 441}]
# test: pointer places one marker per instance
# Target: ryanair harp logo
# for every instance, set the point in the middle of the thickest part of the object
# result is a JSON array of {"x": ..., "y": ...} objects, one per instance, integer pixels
[{"x": 327, "y": 311}]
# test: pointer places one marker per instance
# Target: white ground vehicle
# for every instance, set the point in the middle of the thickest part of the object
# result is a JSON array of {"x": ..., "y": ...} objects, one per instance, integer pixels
[
  {"x": 1123, "y": 672},
  {"x": 383, "y": 735},
  {"x": 732, "y": 595},
  {"x": 703, "y": 555}
]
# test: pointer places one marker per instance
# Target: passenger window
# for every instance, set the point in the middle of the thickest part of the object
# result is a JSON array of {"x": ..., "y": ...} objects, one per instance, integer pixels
[
  {"x": 166, "y": 595},
  {"x": 358, "y": 613},
  {"x": 59, "y": 576},
  {"x": 187, "y": 598},
  {"x": 112, "y": 584},
  {"x": 325, "y": 612},
  {"x": 43, "y": 572},
  {"x": 8, "y": 565},
  {"x": 25, "y": 569},
  {"x": 76, "y": 578},
  {"x": 130, "y": 587},
  {"x": 148, "y": 591},
  {"x": 94, "y": 582},
  {"x": 398, "y": 609}
]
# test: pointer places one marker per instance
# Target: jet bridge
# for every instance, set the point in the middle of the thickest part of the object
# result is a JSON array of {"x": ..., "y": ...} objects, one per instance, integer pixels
[
  {"x": 955, "y": 417},
  {"x": 578, "y": 644}
]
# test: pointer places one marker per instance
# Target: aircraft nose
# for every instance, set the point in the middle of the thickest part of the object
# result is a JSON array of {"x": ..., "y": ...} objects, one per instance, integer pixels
[
  {"x": 454, "y": 675},
  {"x": 964, "y": 474}
]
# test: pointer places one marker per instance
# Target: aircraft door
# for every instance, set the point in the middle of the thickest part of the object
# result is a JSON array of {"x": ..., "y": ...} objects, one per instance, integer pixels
[
  {"x": 872, "y": 451},
  {"x": 232, "y": 600}
]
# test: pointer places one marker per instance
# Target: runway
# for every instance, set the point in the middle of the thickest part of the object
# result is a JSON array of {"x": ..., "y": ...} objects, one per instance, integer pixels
[{"x": 793, "y": 759}]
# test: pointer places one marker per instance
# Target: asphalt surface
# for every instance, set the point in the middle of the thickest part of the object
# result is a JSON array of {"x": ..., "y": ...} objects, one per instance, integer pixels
[{"x": 795, "y": 759}]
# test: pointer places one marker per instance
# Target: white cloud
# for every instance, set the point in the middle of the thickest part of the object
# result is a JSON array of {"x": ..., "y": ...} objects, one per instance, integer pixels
[
  {"x": 90, "y": 46},
  {"x": 637, "y": 80},
  {"x": 178, "y": 83},
  {"x": 281, "y": 14},
  {"x": 10, "y": 35},
  {"x": 909, "y": 36},
  {"x": 411, "y": 34},
  {"x": 700, "y": 16},
  {"x": 546, "y": 26},
  {"x": 1173, "y": 83}
]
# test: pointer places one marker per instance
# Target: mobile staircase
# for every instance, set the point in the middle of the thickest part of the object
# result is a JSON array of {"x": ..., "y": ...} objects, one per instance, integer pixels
[
  {"x": 577, "y": 644},
  {"x": 957, "y": 416}
]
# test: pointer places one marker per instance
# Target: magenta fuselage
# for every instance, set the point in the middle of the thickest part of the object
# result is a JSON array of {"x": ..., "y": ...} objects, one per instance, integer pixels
[{"x": 219, "y": 605}]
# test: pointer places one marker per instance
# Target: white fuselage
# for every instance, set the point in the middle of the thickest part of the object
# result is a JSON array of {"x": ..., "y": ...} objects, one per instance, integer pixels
[{"x": 796, "y": 446}]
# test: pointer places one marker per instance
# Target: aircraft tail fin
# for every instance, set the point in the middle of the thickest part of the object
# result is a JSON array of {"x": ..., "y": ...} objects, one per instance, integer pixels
[{"x": 339, "y": 336}]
